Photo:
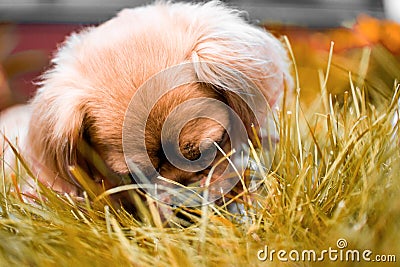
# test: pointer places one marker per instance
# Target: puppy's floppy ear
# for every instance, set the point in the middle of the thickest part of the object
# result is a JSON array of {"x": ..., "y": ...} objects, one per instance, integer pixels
[
  {"x": 243, "y": 48},
  {"x": 55, "y": 129},
  {"x": 236, "y": 90},
  {"x": 241, "y": 61},
  {"x": 58, "y": 115},
  {"x": 251, "y": 89}
]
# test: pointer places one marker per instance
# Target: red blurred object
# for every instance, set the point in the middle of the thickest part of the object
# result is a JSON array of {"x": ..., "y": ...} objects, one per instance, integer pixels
[
  {"x": 42, "y": 36},
  {"x": 44, "y": 39}
]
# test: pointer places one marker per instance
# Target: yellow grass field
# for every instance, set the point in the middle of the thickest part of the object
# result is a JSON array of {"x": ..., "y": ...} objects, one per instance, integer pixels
[{"x": 330, "y": 198}]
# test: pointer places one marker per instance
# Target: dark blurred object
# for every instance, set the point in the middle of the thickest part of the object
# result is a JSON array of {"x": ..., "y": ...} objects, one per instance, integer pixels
[
  {"x": 6, "y": 43},
  {"x": 312, "y": 13},
  {"x": 63, "y": 11}
]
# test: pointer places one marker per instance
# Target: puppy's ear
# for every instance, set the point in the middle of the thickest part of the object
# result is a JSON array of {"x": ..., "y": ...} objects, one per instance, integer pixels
[
  {"x": 247, "y": 64},
  {"x": 249, "y": 93},
  {"x": 56, "y": 126},
  {"x": 59, "y": 110}
]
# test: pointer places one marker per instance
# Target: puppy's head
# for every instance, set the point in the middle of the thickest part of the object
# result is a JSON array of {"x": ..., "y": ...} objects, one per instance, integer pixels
[{"x": 87, "y": 95}]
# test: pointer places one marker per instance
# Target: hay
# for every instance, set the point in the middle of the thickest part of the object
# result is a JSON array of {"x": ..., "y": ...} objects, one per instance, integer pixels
[{"x": 335, "y": 175}]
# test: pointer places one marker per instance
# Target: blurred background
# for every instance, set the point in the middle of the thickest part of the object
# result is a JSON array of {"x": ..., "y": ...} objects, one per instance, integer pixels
[
  {"x": 305, "y": 12},
  {"x": 31, "y": 30}
]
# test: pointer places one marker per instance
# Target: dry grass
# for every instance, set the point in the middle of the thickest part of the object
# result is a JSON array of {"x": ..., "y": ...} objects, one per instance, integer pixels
[{"x": 335, "y": 175}]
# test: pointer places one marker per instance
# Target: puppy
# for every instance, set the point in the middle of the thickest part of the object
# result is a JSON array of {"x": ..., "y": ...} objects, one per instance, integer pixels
[{"x": 168, "y": 54}]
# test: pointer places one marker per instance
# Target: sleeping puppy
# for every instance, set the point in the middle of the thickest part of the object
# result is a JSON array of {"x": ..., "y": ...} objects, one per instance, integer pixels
[{"x": 113, "y": 88}]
